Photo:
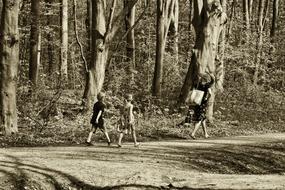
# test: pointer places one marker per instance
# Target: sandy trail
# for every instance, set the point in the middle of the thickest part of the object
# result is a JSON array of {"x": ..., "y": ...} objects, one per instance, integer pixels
[{"x": 245, "y": 162}]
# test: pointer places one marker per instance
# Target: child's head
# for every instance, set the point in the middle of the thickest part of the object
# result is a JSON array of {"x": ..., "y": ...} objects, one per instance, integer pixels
[
  {"x": 129, "y": 97},
  {"x": 100, "y": 96}
]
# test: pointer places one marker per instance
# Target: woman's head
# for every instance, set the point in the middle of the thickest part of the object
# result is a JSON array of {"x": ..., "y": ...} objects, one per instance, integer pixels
[
  {"x": 206, "y": 78},
  {"x": 100, "y": 96}
]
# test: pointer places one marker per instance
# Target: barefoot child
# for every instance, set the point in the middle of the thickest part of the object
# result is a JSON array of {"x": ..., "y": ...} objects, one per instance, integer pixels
[
  {"x": 127, "y": 121},
  {"x": 97, "y": 119}
]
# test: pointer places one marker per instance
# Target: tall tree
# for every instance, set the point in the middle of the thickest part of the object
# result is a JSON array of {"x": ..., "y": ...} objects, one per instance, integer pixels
[
  {"x": 99, "y": 54},
  {"x": 219, "y": 72},
  {"x": 262, "y": 14},
  {"x": 1, "y": 6},
  {"x": 64, "y": 39},
  {"x": 208, "y": 21},
  {"x": 89, "y": 27},
  {"x": 250, "y": 3},
  {"x": 274, "y": 17},
  {"x": 9, "y": 60},
  {"x": 164, "y": 15},
  {"x": 102, "y": 34},
  {"x": 129, "y": 22},
  {"x": 231, "y": 18},
  {"x": 34, "y": 42},
  {"x": 190, "y": 19},
  {"x": 50, "y": 21},
  {"x": 77, "y": 36},
  {"x": 173, "y": 29},
  {"x": 246, "y": 16}
]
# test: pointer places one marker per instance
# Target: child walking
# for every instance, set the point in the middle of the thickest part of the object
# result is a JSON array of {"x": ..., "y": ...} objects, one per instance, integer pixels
[
  {"x": 97, "y": 119},
  {"x": 127, "y": 121}
]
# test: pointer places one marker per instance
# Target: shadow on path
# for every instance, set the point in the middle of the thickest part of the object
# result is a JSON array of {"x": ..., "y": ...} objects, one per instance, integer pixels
[{"x": 266, "y": 158}]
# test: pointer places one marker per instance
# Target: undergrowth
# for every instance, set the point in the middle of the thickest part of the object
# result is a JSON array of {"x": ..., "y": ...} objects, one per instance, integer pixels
[{"x": 68, "y": 124}]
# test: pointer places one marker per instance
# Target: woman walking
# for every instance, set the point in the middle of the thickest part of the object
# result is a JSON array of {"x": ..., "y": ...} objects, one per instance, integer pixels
[{"x": 206, "y": 82}]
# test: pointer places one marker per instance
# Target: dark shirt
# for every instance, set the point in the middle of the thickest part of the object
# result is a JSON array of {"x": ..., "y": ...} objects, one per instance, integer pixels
[
  {"x": 205, "y": 87},
  {"x": 200, "y": 110},
  {"x": 98, "y": 106}
]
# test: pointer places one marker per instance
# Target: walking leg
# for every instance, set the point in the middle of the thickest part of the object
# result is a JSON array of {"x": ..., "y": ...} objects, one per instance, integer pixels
[
  {"x": 104, "y": 130},
  {"x": 134, "y": 135},
  {"x": 121, "y": 135},
  {"x": 93, "y": 130},
  {"x": 197, "y": 125},
  {"x": 204, "y": 127}
]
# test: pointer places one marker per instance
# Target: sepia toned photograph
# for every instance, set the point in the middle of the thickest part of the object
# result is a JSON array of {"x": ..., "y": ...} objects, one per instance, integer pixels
[{"x": 142, "y": 95}]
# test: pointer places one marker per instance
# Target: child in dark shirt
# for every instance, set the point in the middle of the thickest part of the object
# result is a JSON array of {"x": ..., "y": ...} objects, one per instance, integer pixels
[{"x": 97, "y": 119}]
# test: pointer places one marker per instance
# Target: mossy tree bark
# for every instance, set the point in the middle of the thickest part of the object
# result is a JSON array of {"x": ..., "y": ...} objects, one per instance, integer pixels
[{"x": 9, "y": 60}]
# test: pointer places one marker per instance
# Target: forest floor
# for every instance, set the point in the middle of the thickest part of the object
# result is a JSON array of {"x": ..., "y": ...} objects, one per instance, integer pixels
[{"x": 241, "y": 162}]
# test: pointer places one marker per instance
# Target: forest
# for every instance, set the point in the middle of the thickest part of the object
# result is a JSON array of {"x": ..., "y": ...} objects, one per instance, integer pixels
[{"x": 57, "y": 55}]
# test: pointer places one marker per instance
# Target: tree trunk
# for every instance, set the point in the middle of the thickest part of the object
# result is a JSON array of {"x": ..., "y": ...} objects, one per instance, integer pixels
[
  {"x": 34, "y": 43},
  {"x": 99, "y": 53},
  {"x": 259, "y": 40},
  {"x": 77, "y": 36},
  {"x": 52, "y": 66},
  {"x": 190, "y": 17},
  {"x": 232, "y": 16},
  {"x": 266, "y": 9},
  {"x": 9, "y": 60},
  {"x": 189, "y": 31},
  {"x": 208, "y": 21},
  {"x": 219, "y": 73},
  {"x": 129, "y": 22},
  {"x": 164, "y": 11},
  {"x": 173, "y": 28},
  {"x": 274, "y": 18},
  {"x": 64, "y": 40},
  {"x": 102, "y": 36},
  {"x": 246, "y": 17},
  {"x": 1, "y": 6},
  {"x": 88, "y": 28},
  {"x": 250, "y": 3}
]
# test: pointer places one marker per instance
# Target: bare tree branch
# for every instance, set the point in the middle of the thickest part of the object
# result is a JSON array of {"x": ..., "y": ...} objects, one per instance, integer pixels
[{"x": 110, "y": 21}]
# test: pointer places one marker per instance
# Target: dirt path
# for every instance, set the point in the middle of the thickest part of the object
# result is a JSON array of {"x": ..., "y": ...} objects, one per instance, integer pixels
[{"x": 252, "y": 162}]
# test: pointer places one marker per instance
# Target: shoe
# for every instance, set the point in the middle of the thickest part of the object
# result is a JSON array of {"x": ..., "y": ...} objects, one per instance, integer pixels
[
  {"x": 89, "y": 143},
  {"x": 207, "y": 136},
  {"x": 192, "y": 136},
  {"x": 137, "y": 144},
  {"x": 119, "y": 146},
  {"x": 109, "y": 143}
]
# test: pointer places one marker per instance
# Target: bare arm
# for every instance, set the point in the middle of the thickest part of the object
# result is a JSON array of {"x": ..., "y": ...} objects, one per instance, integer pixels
[
  {"x": 98, "y": 116},
  {"x": 131, "y": 117}
]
